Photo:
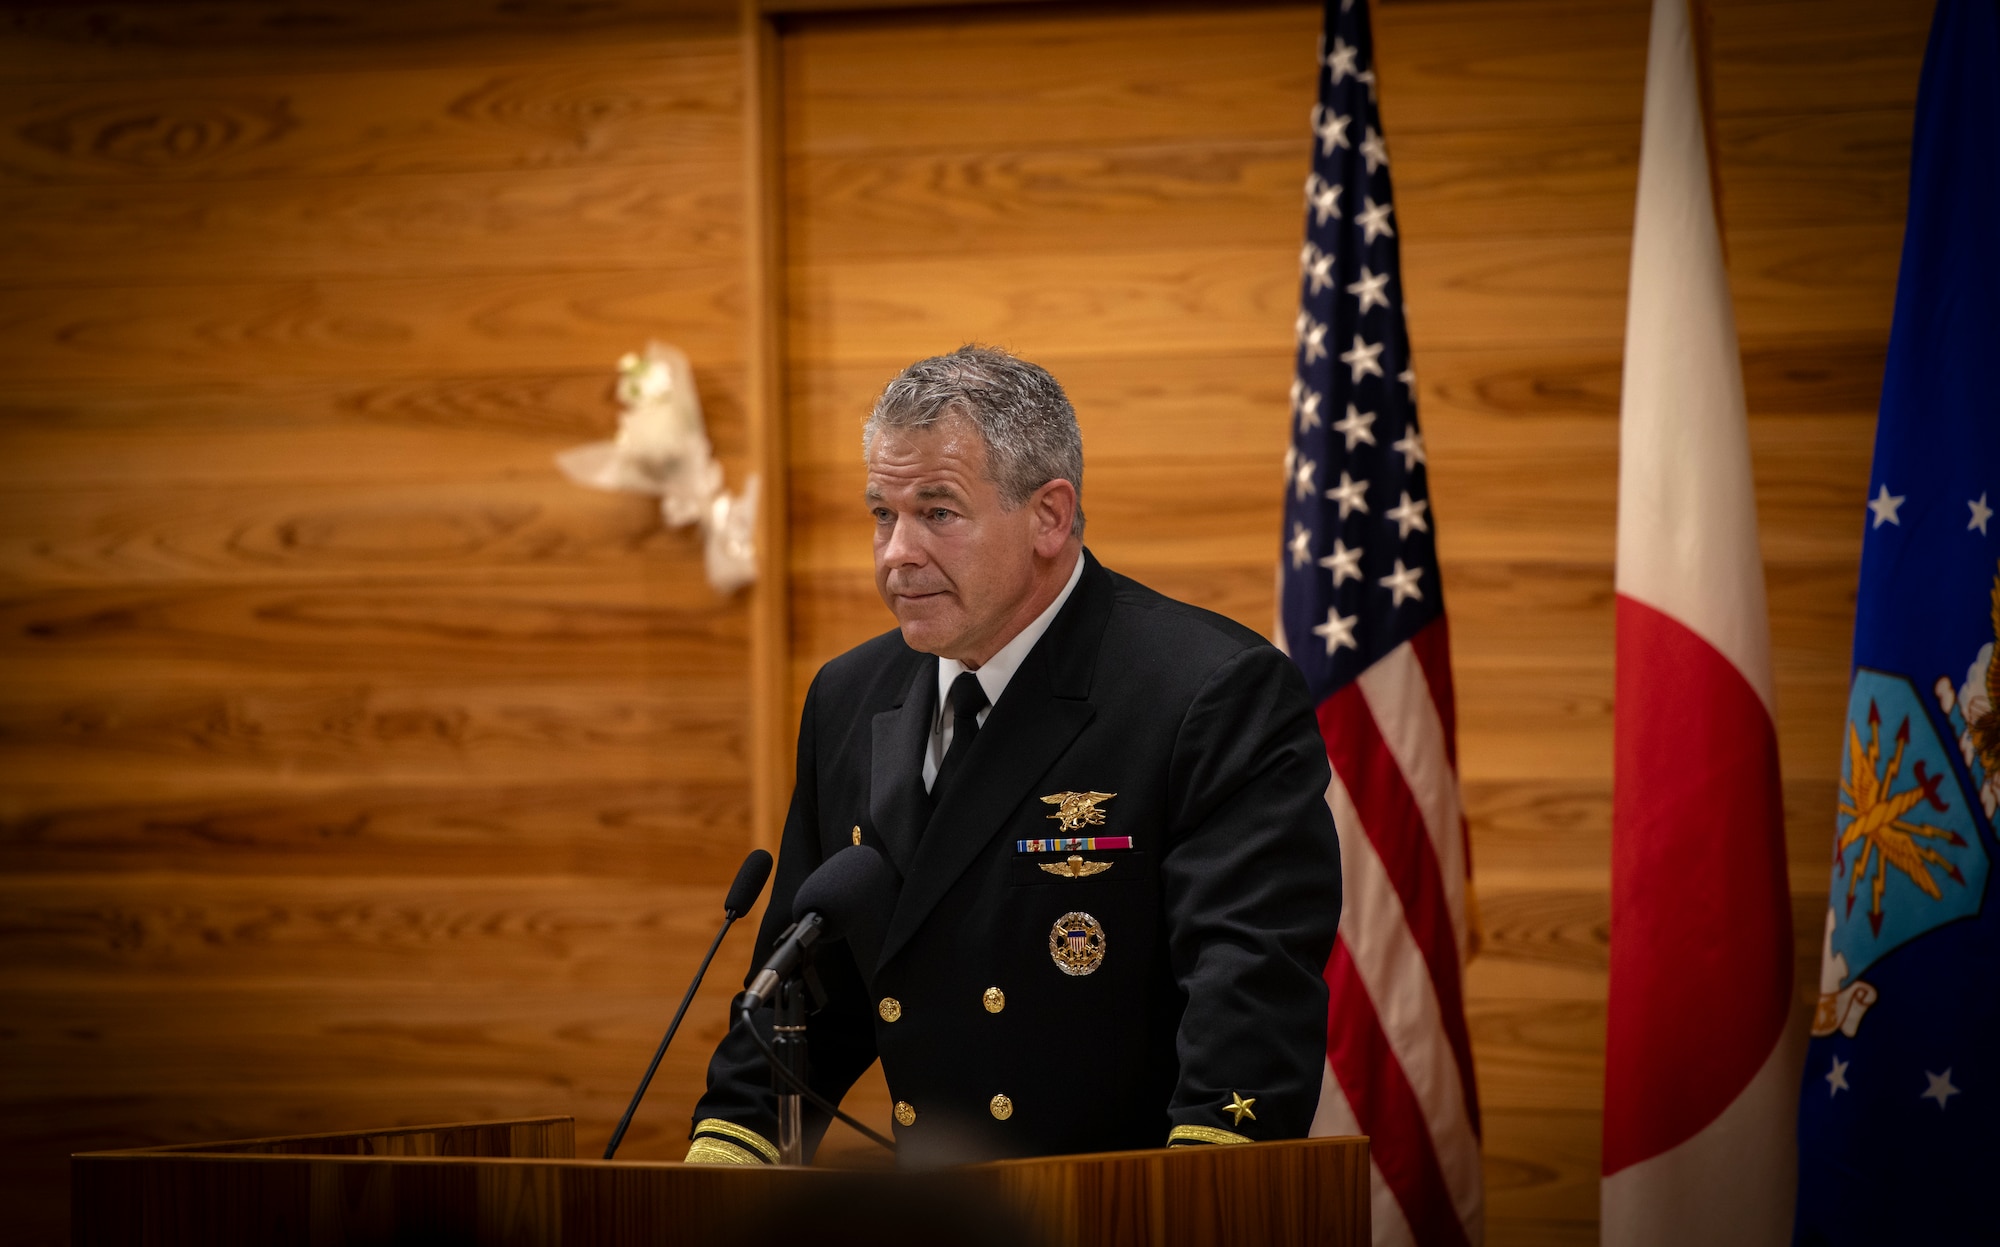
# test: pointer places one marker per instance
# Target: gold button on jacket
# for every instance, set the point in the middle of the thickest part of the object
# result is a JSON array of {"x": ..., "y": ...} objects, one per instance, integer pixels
[
  {"x": 1001, "y": 1107},
  {"x": 890, "y": 1008},
  {"x": 994, "y": 999},
  {"x": 906, "y": 1114}
]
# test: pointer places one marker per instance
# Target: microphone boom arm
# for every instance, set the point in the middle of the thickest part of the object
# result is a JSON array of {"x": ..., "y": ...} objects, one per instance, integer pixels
[
  {"x": 618, "y": 1135},
  {"x": 748, "y": 1021}
]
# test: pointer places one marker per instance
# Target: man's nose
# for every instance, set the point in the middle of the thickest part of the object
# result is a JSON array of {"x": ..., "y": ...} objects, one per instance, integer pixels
[{"x": 902, "y": 545}]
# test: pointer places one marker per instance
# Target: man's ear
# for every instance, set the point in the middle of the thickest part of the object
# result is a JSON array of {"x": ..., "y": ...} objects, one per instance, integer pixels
[{"x": 1053, "y": 511}]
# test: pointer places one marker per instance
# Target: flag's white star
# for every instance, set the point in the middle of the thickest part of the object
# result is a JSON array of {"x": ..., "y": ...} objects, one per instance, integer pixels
[
  {"x": 1341, "y": 61},
  {"x": 1837, "y": 1078},
  {"x": 1374, "y": 150},
  {"x": 1309, "y": 411},
  {"x": 1374, "y": 220},
  {"x": 1331, "y": 128},
  {"x": 1409, "y": 379},
  {"x": 1940, "y": 1088},
  {"x": 1338, "y": 631},
  {"x": 1361, "y": 359},
  {"x": 1300, "y": 545},
  {"x": 1980, "y": 514},
  {"x": 1300, "y": 324},
  {"x": 1350, "y": 494},
  {"x": 1306, "y": 254},
  {"x": 1320, "y": 272},
  {"x": 1409, "y": 514},
  {"x": 1291, "y": 458},
  {"x": 1403, "y": 583},
  {"x": 1323, "y": 197},
  {"x": 1368, "y": 76},
  {"x": 1316, "y": 343},
  {"x": 1303, "y": 483},
  {"x": 1344, "y": 562},
  {"x": 1411, "y": 445},
  {"x": 1884, "y": 507},
  {"x": 1369, "y": 290},
  {"x": 1354, "y": 426}
]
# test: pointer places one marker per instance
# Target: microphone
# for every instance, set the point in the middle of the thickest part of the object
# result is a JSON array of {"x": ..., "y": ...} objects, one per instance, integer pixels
[
  {"x": 749, "y": 885},
  {"x": 743, "y": 894},
  {"x": 851, "y": 885},
  {"x": 845, "y": 888}
]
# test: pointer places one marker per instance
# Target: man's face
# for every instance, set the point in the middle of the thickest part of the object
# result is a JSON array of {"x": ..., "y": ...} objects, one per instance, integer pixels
[{"x": 953, "y": 562}]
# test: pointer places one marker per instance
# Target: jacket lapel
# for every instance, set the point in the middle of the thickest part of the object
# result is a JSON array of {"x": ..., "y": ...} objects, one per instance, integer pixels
[
  {"x": 1046, "y": 705},
  {"x": 896, "y": 800}
]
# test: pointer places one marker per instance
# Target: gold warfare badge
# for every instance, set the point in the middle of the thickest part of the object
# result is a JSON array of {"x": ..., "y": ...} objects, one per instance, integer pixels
[{"x": 1076, "y": 944}]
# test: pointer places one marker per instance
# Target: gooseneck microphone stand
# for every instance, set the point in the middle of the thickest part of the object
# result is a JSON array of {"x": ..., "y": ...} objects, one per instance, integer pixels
[
  {"x": 784, "y": 1072},
  {"x": 846, "y": 884},
  {"x": 743, "y": 894},
  {"x": 788, "y": 1040}
]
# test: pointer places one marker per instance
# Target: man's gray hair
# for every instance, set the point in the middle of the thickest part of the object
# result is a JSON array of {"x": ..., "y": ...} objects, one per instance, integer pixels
[{"x": 1021, "y": 413}]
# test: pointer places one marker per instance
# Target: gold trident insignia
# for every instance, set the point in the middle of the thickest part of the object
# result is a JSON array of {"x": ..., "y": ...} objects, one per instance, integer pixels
[{"x": 1077, "y": 810}]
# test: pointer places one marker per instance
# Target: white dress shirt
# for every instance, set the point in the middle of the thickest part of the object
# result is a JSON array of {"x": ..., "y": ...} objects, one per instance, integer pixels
[{"x": 993, "y": 676}]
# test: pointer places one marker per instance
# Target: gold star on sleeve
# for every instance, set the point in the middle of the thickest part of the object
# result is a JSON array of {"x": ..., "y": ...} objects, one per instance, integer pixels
[{"x": 1239, "y": 1108}]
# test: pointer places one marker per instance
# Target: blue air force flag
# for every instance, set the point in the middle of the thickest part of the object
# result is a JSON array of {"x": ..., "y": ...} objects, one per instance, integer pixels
[{"x": 1899, "y": 1115}]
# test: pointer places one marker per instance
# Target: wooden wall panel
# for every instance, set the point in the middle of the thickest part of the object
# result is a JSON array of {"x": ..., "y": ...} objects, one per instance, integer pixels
[
  {"x": 1115, "y": 194},
  {"x": 355, "y": 767}
]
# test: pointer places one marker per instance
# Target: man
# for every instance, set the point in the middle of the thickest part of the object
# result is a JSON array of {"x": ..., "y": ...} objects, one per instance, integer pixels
[{"x": 1117, "y": 881}]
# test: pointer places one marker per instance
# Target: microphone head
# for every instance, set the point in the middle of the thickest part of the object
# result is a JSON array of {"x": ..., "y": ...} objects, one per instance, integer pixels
[
  {"x": 848, "y": 887},
  {"x": 749, "y": 884}
]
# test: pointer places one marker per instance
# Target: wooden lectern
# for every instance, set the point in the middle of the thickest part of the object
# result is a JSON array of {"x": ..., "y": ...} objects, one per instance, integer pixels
[{"x": 518, "y": 1182}]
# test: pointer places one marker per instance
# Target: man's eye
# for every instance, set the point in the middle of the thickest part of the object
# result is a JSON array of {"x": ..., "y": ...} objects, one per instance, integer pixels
[{"x": 940, "y": 514}]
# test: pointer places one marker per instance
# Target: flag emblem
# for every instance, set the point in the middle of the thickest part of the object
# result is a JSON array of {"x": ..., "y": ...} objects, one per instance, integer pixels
[
  {"x": 1907, "y": 858},
  {"x": 1076, "y": 944},
  {"x": 1893, "y": 830}
]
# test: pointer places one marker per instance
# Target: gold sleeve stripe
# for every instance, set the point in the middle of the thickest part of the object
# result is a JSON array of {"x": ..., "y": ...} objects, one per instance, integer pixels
[
  {"x": 1183, "y": 1136},
  {"x": 706, "y": 1151},
  {"x": 729, "y": 1130}
]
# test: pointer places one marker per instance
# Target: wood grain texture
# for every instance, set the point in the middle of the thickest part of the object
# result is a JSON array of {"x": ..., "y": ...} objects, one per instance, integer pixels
[
  {"x": 319, "y": 733},
  {"x": 596, "y": 105},
  {"x": 259, "y": 825},
  {"x": 551, "y": 1138},
  {"x": 496, "y": 1182},
  {"x": 116, "y": 38},
  {"x": 354, "y": 765},
  {"x": 496, "y": 410},
  {"x": 771, "y": 705},
  {"x": 529, "y": 220},
  {"x": 379, "y": 327}
]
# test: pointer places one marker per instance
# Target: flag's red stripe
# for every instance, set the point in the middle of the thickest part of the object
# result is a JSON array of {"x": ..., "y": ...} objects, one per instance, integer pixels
[
  {"x": 1395, "y": 826},
  {"x": 1386, "y": 1106},
  {"x": 1433, "y": 649},
  {"x": 1701, "y": 918}
]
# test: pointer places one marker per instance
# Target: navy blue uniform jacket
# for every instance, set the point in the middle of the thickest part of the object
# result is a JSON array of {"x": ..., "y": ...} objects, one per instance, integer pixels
[{"x": 1217, "y": 922}]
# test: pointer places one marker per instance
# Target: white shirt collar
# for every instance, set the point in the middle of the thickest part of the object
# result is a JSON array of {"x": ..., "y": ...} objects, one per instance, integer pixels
[
  {"x": 994, "y": 675},
  {"x": 998, "y": 670}
]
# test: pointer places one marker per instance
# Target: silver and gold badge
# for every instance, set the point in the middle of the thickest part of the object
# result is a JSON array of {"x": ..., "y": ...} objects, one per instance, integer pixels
[{"x": 1076, "y": 944}]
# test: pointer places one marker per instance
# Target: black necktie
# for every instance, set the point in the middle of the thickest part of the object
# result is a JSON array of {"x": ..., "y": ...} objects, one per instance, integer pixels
[{"x": 967, "y": 700}]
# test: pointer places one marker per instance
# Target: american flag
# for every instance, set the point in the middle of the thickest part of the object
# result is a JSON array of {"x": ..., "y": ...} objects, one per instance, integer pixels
[{"x": 1362, "y": 613}]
